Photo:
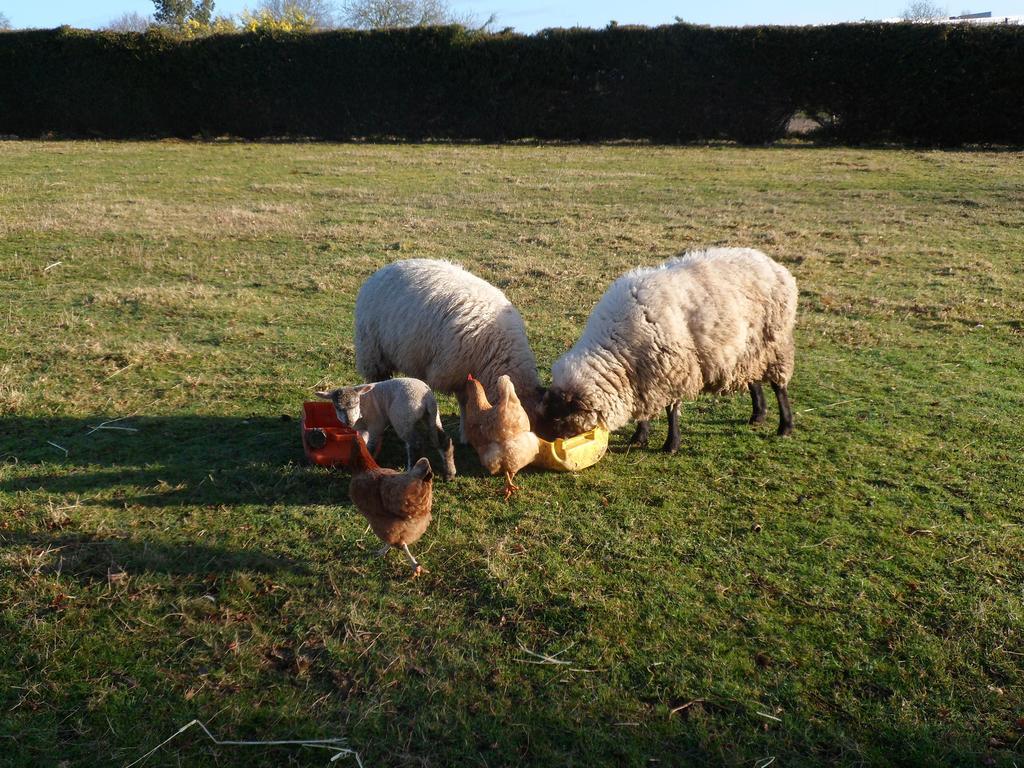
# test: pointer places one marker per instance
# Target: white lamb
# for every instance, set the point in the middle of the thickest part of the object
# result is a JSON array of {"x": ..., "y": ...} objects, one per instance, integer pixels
[
  {"x": 404, "y": 404},
  {"x": 708, "y": 321},
  {"x": 436, "y": 321}
]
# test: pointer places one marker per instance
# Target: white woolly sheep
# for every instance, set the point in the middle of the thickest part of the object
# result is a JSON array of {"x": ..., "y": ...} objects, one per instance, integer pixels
[
  {"x": 708, "y": 321},
  {"x": 405, "y": 404},
  {"x": 436, "y": 321}
]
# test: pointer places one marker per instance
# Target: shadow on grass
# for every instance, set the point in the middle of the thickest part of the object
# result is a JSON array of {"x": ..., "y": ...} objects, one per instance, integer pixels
[
  {"x": 89, "y": 557},
  {"x": 195, "y": 460},
  {"x": 166, "y": 460},
  {"x": 169, "y": 461},
  {"x": 703, "y": 426}
]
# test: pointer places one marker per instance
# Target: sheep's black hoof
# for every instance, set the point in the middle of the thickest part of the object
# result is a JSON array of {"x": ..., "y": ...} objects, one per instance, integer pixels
[
  {"x": 785, "y": 430},
  {"x": 670, "y": 447},
  {"x": 641, "y": 434},
  {"x": 756, "y": 420}
]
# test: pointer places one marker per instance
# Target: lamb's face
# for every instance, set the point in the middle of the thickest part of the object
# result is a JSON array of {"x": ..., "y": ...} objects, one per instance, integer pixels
[
  {"x": 347, "y": 409},
  {"x": 563, "y": 414},
  {"x": 346, "y": 403}
]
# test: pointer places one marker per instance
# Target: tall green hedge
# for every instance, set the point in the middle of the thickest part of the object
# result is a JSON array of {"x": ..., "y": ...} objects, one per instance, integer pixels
[{"x": 908, "y": 83}]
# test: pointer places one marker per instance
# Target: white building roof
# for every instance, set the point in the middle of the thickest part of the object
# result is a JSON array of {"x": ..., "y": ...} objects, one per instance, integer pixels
[{"x": 993, "y": 19}]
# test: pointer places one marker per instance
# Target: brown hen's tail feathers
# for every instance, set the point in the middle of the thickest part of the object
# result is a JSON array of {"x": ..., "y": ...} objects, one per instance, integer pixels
[
  {"x": 361, "y": 460},
  {"x": 422, "y": 470}
]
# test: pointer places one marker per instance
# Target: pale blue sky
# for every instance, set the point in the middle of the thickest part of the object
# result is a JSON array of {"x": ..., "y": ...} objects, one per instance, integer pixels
[{"x": 531, "y": 15}]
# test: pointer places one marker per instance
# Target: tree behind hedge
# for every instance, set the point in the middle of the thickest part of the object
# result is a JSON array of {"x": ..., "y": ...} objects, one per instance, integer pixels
[{"x": 176, "y": 13}]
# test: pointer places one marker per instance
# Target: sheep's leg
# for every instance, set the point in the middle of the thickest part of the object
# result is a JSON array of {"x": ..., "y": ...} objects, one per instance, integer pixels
[
  {"x": 785, "y": 414},
  {"x": 445, "y": 449},
  {"x": 673, "y": 440},
  {"x": 460, "y": 396},
  {"x": 642, "y": 434},
  {"x": 375, "y": 369},
  {"x": 440, "y": 440},
  {"x": 417, "y": 569},
  {"x": 760, "y": 404}
]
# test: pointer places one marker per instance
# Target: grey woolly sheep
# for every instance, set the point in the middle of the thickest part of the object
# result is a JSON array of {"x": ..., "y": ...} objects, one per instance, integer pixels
[{"x": 709, "y": 321}]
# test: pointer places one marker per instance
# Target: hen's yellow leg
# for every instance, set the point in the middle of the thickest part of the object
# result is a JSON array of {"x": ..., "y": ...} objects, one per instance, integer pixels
[
  {"x": 510, "y": 487},
  {"x": 417, "y": 569}
]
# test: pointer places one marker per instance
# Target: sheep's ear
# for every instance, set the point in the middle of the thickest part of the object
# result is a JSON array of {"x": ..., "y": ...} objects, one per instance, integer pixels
[
  {"x": 326, "y": 395},
  {"x": 364, "y": 389}
]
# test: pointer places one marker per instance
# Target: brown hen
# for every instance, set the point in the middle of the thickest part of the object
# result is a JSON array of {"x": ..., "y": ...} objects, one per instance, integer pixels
[
  {"x": 396, "y": 504},
  {"x": 500, "y": 433}
]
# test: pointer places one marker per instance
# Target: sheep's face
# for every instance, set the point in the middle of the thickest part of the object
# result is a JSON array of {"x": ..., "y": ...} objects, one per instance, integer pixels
[
  {"x": 564, "y": 414},
  {"x": 346, "y": 403}
]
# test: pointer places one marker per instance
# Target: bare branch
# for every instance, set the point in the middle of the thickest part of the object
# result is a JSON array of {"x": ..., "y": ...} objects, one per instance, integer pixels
[
  {"x": 389, "y": 14},
  {"x": 923, "y": 10},
  {"x": 130, "y": 22}
]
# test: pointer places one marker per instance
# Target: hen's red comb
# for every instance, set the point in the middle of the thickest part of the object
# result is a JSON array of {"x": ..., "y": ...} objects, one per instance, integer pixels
[{"x": 469, "y": 377}]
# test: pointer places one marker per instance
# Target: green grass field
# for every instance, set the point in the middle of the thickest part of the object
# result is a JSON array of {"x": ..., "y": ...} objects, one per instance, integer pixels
[{"x": 849, "y": 596}]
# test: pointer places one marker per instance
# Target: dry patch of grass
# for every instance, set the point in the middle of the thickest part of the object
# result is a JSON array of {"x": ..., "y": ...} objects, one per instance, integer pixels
[{"x": 174, "y": 296}]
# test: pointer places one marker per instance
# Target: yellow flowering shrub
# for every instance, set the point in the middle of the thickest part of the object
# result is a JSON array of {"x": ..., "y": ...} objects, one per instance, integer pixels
[
  {"x": 292, "y": 20},
  {"x": 219, "y": 26}
]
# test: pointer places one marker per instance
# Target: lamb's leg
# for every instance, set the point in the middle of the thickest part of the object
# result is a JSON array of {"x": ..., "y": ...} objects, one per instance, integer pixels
[
  {"x": 673, "y": 440},
  {"x": 417, "y": 569},
  {"x": 413, "y": 448},
  {"x": 642, "y": 434},
  {"x": 785, "y": 414},
  {"x": 760, "y": 404}
]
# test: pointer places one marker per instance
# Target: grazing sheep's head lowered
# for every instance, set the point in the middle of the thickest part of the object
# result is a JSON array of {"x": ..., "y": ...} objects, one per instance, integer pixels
[
  {"x": 565, "y": 414},
  {"x": 346, "y": 402}
]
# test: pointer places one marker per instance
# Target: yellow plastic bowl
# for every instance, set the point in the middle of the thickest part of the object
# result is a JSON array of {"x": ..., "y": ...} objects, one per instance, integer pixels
[{"x": 571, "y": 454}]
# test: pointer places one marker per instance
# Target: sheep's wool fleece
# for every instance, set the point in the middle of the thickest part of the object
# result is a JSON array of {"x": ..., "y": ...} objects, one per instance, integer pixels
[
  {"x": 435, "y": 321},
  {"x": 707, "y": 321}
]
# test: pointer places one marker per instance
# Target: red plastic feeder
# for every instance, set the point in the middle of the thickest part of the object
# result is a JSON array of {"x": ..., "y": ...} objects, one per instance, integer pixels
[{"x": 326, "y": 440}]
